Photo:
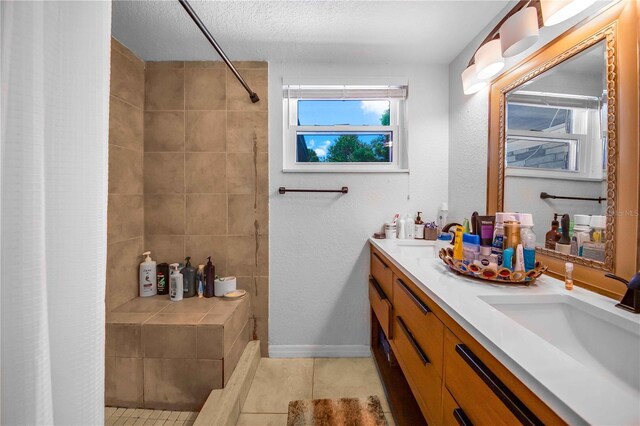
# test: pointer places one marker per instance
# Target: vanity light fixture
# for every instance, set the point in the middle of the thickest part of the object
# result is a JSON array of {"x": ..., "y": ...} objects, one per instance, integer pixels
[
  {"x": 519, "y": 32},
  {"x": 470, "y": 82},
  {"x": 556, "y": 11},
  {"x": 489, "y": 60}
]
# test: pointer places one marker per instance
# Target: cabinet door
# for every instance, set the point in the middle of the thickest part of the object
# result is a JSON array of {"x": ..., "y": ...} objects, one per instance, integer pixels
[
  {"x": 452, "y": 414},
  {"x": 382, "y": 273},
  {"x": 478, "y": 391}
]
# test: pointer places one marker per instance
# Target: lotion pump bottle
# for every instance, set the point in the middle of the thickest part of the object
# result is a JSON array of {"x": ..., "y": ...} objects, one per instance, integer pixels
[
  {"x": 175, "y": 283},
  {"x": 410, "y": 227},
  {"x": 148, "y": 276},
  {"x": 402, "y": 232}
]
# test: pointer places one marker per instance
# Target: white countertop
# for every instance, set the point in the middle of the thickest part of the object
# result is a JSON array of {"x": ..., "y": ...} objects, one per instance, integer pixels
[{"x": 577, "y": 392}]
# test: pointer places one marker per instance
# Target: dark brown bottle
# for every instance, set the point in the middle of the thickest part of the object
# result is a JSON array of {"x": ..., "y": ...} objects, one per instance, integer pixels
[
  {"x": 552, "y": 236},
  {"x": 209, "y": 278},
  {"x": 162, "y": 274}
]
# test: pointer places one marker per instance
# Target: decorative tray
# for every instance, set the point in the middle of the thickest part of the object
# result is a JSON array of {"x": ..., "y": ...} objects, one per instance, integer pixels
[{"x": 501, "y": 275}]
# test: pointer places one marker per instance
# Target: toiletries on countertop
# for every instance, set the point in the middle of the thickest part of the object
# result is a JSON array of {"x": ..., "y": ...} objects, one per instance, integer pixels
[
  {"x": 443, "y": 241},
  {"x": 148, "y": 276},
  {"x": 402, "y": 232},
  {"x": 419, "y": 226},
  {"x": 200, "y": 280},
  {"x": 507, "y": 258},
  {"x": 552, "y": 236},
  {"x": 498, "y": 234},
  {"x": 518, "y": 262},
  {"x": 162, "y": 281},
  {"x": 466, "y": 228},
  {"x": 390, "y": 230},
  {"x": 511, "y": 234},
  {"x": 564, "y": 243},
  {"x": 598, "y": 225},
  {"x": 410, "y": 227},
  {"x": 189, "y": 282},
  {"x": 485, "y": 226},
  {"x": 568, "y": 278},
  {"x": 458, "y": 253},
  {"x": 209, "y": 277},
  {"x": 528, "y": 238},
  {"x": 175, "y": 283},
  {"x": 486, "y": 259},
  {"x": 443, "y": 212},
  {"x": 224, "y": 285},
  {"x": 470, "y": 247}
]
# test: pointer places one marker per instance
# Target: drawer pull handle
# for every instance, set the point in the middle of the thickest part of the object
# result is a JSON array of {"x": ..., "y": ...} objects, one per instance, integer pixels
[
  {"x": 461, "y": 417},
  {"x": 415, "y": 345},
  {"x": 380, "y": 260},
  {"x": 375, "y": 285},
  {"x": 497, "y": 387},
  {"x": 421, "y": 305}
]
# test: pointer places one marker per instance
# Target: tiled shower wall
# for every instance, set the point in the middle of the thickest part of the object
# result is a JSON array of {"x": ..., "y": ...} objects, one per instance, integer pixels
[
  {"x": 206, "y": 172},
  {"x": 125, "y": 216}
]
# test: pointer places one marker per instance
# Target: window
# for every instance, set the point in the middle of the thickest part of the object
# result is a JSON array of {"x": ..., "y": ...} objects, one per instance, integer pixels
[{"x": 331, "y": 128}]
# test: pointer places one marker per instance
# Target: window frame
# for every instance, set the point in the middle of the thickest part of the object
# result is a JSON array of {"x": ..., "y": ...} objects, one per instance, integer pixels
[{"x": 397, "y": 127}]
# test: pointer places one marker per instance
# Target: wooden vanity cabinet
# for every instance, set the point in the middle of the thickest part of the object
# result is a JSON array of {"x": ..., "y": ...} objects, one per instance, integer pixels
[{"x": 453, "y": 379}]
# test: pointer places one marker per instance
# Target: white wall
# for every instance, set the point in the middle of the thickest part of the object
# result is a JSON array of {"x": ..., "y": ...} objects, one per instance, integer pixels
[
  {"x": 468, "y": 122},
  {"x": 318, "y": 243}
]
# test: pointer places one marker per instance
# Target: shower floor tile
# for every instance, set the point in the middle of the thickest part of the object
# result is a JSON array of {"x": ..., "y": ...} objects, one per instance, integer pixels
[{"x": 118, "y": 416}]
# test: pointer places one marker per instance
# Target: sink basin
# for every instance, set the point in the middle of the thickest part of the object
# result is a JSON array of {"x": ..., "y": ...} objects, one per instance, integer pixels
[
  {"x": 604, "y": 341},
  {"x": 415, "y": 249}
]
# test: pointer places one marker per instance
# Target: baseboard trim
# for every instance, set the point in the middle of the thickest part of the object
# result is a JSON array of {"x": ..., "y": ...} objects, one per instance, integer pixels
[{"x": 319, "y": 351}]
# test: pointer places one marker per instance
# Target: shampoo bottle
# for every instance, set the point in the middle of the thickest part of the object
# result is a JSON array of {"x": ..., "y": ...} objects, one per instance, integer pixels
[
  {"x": 410, "y": 227},
  {"x": 175, "y": 283},
  {"x": 209, "y": 278},
  {"x": 189, "y": 280},
  {"x": 162, "y": 280},
  {"x": 200, "y": 280},
  {"x": 147, "y": 276}
]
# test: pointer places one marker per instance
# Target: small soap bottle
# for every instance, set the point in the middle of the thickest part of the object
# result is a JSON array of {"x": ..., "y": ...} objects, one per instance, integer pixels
[{"x": 568, "y": 277}]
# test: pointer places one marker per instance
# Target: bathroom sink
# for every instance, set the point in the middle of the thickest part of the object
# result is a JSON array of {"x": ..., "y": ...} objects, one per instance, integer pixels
[
  {"x": 606, "y": 342},
  {"x": 415, "y": 249}
]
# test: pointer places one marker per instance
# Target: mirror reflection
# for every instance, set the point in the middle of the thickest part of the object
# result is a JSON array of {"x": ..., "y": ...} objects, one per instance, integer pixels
[{"x": 556, "y": 154}]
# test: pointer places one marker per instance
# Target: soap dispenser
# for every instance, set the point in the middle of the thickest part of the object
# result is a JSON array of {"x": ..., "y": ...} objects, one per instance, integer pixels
[
  {"x": 189, "y": 280},
  {"x": 209, "y": 278},
  {"x": 148, "y": 276},
  {"x": 564, "y": 243}
]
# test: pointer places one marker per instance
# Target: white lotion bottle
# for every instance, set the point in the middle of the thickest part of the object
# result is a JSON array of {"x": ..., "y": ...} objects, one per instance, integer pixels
[
  {"x": 402, "y": 230},
  {"x": 148, "y": 276},
  {"x": 176, "y": 285},
  {"x": 410, "y": 227}
]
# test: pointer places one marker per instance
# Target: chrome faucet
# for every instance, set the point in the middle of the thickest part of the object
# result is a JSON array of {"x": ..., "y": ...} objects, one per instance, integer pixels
[{"x": 631, "y": 299}]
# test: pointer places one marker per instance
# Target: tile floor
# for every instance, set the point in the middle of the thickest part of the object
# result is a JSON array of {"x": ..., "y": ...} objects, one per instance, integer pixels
[
  {"x": 114, "y": 416},
  {"x": 280, "y": 380}
]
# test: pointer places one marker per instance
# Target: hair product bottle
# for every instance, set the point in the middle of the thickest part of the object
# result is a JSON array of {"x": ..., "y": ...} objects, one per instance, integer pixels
[
  {"x": 162, "y": 280},
  {"x": 175, "y": 283},
  {"x": 189, "y": 274},
  {"x": 147, "y": 276}
]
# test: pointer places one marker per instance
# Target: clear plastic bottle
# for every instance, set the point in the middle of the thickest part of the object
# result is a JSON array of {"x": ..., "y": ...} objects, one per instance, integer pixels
[
  {"x": 568, "y": 279},
  {"x": 528, "y": 239}
]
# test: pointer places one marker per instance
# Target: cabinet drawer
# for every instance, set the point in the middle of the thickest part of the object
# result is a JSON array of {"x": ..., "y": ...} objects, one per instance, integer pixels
[
  {"x": 423, "y": 378},
  {"x": 382, "y": 273},
  {"x": 426, "y": 328},
  {"x": 381, "y": 306},
  {"x": 452, "y": 415},
  {"x": 478, "y": 391}
]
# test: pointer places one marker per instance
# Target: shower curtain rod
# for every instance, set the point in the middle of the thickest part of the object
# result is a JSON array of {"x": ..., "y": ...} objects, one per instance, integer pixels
[{"x": 252, "y": 95}]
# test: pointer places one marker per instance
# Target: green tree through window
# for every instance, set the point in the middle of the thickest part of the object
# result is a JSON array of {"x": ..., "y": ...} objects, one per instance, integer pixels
[{"x": 350, "y": 149}]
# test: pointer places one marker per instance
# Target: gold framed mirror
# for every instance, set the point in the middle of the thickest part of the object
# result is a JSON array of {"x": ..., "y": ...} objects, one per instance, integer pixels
[{"x": 563, "y": 139}]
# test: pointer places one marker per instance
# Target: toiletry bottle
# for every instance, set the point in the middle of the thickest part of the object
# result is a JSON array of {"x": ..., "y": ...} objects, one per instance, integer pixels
[
  {"x": 162, "y": 274},
  {"x": 528, "y": 238},
  {"x": 419, "y": 233},
  {"x": 458, "y": 253},
  {"x": 410, "y": 227},
  {"x": 209, "y": 278},
  {"x": 189, "y": 282},
  {"x": 466, "y": 228},
  {"x": 175, "y": 283},
  {"x": 564, "y": 243},
  {"x": 511, "y": 234},
  {"x": 470, "y": 247},
  {"x": 475, "y": 225},
  {"x": 552, "y": 236},
  {"x": 402, "y": 233},
  {"x": 568, "y": 278},
  {"x": 507, "y": 258},
  {"x": 200, "y": 280},
  {"x": 518, "y": 263},
  {"x": 443, "y": 212},
  {"x": 498, "y": 237},
  {"x": 148, "y": 276}
]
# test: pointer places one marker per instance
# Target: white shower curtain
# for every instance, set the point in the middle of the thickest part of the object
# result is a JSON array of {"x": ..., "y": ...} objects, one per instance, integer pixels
[{"x": 53, "y": 202}]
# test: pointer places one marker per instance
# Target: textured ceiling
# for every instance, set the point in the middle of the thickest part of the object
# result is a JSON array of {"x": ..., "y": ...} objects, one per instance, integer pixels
[{"x": 305, "y": 31}]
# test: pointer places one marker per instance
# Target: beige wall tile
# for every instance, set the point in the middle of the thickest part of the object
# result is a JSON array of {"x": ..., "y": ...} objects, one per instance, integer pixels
[
  {"x": 199, "y": 247},
  {"x": 260, "y": 327},
  {"x": 242, "y": 214},
  {"x": 205, "y": 131},
  {"x": 236, "y": 322},
  {"x": 179, "y": 318},
  {"x": 205, "y": 88},
  {"x": 123, "y": 382},
  {"x": 121, "y": 48},
  {"x": 125, "y": 124},
  {"x": 164, "y": 131},
  {"x": 262, "y": 214},
  {"x": 206, "y": 172},
  {"x": 262, "y": 171},
  {"x": 164, "y": 89},
  {"x": 122, "y": 340},
  {"x": 191, "y": 305},
  {"x": 233, "y": 355},
  {"x": 237, "y": 96},
  {"x": 210, "y": 341},
  {"x": 149, "y": 305},
  {"x": 125, "y": 170},
  {"x": 247, "y": 131},
  {"x": 241, "y": 65},
  {"x": 128, "y": 318},
  {"x": 163, "y": 65},
  {"x": 160, "y": 341},
  {"x": 183, "y": 385},
  {"x": 241, "y": 256},
  {"x": 258, "y": 288},
  {"x": 241, "y": 172},
  {"x": 206, "y": 214},
  {"x": 163, "y": 173},
  {"x": 123, "y": 260},
  {"x": 164, "y": 214},
  {"x": 127, "y": 79},
  {"x": 165, "y": 248},
  {"x": 125, "y": 217},
  {"x": 263, "y": 255},
  {"x": 205, "y": 64}
]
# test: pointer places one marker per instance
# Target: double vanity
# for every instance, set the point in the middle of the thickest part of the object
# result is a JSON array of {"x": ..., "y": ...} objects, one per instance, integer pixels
[{"x": 473, "y": 352}]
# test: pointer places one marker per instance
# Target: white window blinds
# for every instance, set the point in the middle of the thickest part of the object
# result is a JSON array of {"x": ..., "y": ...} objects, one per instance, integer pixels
[{"x": 343, "y": 92}]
